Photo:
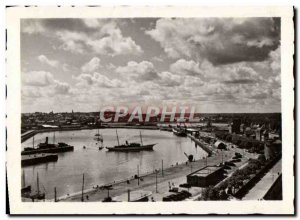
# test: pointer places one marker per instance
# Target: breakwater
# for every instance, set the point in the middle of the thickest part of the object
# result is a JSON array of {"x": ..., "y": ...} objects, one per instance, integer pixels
[{"x": 203, "y": 145}]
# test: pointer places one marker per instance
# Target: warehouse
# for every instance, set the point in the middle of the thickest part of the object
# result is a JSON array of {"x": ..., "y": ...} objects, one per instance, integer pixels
[{"x": 206, "y": 176}]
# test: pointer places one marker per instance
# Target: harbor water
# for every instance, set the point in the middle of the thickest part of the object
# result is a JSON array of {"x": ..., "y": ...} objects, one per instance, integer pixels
[{"x": 100, "y": 166}]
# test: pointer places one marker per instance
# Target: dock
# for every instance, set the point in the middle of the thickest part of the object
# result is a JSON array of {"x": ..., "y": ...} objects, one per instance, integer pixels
[{"x": 201, "y": 144}]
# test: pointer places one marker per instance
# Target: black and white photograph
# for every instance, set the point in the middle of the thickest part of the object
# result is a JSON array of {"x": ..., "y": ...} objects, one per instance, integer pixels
[{"x": 153, "y": 110}]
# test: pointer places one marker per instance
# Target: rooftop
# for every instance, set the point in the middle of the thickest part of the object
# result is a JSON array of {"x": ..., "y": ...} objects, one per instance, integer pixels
[{"x": 205, "y": 171}]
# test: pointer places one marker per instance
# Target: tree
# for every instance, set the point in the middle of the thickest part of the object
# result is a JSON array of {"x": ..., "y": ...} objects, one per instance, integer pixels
[{"x": 223, "y": 195}]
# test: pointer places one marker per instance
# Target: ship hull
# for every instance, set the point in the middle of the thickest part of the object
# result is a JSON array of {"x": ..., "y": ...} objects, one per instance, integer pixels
[
  {"x": 49, "y": 150},
  {"x": 148, "y": 147},
  {"x": 37, "y": 159}
]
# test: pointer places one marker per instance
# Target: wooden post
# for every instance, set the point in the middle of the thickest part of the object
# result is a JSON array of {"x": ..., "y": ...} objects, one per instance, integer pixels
[
  {"x": 162, "y": 168},
  {"x": 55, "y": 199},
  {"x": 82, "y": 188},
  {"x": 156, "y": 181},
  {"x": 128, "y": 195},
  {"x": 222, "y": 155},
  {"x": 138, "y": 174},
  {"x": 38, "y": 184}
]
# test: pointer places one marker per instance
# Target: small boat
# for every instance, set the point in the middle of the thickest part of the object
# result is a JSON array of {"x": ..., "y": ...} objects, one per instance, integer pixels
[{"x": 129, "y": 147}]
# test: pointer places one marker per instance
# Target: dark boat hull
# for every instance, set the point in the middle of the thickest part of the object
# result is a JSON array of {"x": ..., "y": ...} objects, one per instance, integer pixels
[
  {"x": 131, "y": 149},
  {"x": 48, "y": 150},
  {"x": 37, "y": 159},
  {"x": 179, "y": 133}
]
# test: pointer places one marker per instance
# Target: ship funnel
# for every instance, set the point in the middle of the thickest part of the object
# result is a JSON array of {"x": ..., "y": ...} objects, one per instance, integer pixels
[{"x": 46, "y": 142}]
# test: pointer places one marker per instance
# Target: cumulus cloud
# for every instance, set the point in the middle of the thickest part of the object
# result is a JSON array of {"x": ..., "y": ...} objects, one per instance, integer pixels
[
  {"x": 37, "y": 78},
  {"x": 61, "y": 87},
  {"x": 72, "y": 41},
  {"x": 92, "y": 23},
  {"x": 188, "y": 68},
  {"x": 92, "y": 65},
  {"x": 143, "y": 71},
  {"x": 112, "y": 42},
  {"x": 220, "y": 40},
  {"x": 30, "y": 26},
  {"x": 43, "y": 59},
  {"x": 222, "y": 64},
  {"x": 168, "y": 79},
  {"x": 101, "y": 37},
  {"x": 37, "y": 84},
  {"x": 97, "y": 80}
]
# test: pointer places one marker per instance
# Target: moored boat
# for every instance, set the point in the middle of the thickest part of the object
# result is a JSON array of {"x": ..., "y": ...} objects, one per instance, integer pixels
[
  {"x": 129, "y": 147},
  {"x": 47, "y": 148}
]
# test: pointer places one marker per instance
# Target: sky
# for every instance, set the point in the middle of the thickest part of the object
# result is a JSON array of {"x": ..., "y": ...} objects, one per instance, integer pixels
[{"x": 218, "y": 65}]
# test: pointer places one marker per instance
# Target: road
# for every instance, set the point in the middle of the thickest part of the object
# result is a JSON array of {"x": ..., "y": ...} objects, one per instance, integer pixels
[{"x": 261, "y": 188}]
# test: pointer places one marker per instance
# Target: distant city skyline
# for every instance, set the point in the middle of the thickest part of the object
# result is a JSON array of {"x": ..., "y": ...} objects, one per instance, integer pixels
[{"x": 220, "y": 65}]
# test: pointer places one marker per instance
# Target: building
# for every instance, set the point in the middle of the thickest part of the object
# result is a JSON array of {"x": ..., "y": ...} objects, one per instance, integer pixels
[
  {"x": 235, "y": 126},
  {"x": 206, "y": 176},
  {"x": 272, "y": 148}
]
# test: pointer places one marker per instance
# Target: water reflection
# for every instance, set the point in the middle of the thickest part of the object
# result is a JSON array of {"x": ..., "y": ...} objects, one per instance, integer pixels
[{"x": 101, "y": 166}]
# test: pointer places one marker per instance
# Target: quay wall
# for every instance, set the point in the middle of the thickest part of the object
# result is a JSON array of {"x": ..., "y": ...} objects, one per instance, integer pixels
[{"x": 204, "y": 147}]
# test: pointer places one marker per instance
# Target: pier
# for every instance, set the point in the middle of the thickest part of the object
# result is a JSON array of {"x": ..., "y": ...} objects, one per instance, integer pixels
[{"x": 201, "y": 144}]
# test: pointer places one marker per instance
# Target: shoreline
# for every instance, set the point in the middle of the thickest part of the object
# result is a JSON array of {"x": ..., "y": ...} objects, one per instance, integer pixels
[
  {"x": 34, "y": 132},
  {"x": 170, "y": 174}
]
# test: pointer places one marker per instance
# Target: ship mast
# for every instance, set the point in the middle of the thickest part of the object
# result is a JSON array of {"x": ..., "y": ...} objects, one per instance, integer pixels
[
  {"x": 54, "y": 138},
  {"x": 117, "y": 137},
  {"x": 141, "y": 138}
]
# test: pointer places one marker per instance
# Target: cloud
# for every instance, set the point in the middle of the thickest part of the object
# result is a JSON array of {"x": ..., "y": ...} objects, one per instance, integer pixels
[
  {"x": 81, "y": 36},
  {"x": 168, "y": 79},
  {"x": 112, "y": 42},
  {"x": 61, "y": 87},
  {"x": 72, "y": 41},
  {"x": 66, "y": 67},
  {"x": 46, "y": 60},
  {"x": 92, "y": 23},
  {"x": 30, "y": 26},
  {"x": 97, "y": 80},
  {"x": 143, "y": 71},
  {"x": 219, "y": 40},
  {"x": 37, "y": 78},
  {"x": 188, "y": 68},
  {"x": 92, "y": 65},
  {"x": 37, "y": 84}
]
